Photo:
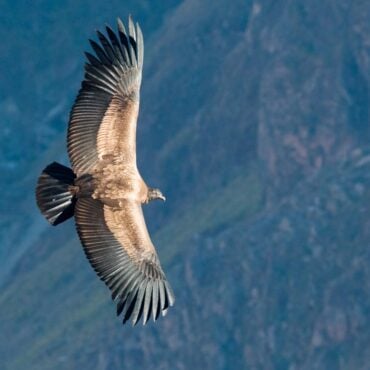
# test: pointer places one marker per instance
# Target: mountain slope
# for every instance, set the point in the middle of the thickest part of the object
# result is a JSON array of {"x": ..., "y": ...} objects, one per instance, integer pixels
[{"x": 254, "y": 122}]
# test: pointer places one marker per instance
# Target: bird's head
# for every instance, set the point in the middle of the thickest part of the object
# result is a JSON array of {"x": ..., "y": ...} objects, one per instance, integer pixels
[{"x": 155, "y": 194}]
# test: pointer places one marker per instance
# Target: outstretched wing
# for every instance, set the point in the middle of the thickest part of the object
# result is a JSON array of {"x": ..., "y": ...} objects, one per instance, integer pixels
[
  {"x": 103, "y": 118},
  {"x": 118, "y": 246}
]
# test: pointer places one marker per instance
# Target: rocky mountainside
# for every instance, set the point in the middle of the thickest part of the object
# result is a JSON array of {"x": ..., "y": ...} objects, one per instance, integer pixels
[{"x": 255, "y": 123}]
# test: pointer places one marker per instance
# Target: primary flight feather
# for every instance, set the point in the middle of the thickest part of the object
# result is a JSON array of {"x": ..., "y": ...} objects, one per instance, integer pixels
[{"x": 104, "y": 190}]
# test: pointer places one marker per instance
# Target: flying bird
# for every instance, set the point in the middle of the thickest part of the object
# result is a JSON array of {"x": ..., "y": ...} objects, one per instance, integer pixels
[{"x": 104, "y": 190}]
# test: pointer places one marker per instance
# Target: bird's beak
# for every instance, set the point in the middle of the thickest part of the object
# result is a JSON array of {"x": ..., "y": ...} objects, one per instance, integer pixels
[{"x": 162, "y": 197}]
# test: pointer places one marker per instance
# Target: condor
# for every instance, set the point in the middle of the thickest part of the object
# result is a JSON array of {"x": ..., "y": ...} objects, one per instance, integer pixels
[{"x": 104, "y": 190}]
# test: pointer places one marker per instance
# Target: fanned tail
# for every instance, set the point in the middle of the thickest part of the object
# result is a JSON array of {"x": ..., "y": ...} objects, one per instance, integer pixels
[{"x": 53, "y": 195}]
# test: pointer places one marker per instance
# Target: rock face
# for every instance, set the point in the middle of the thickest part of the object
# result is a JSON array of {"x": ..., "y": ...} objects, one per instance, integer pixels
[
  {"x": 255, "y": 123},
  {"x": 315, "y": 96}
]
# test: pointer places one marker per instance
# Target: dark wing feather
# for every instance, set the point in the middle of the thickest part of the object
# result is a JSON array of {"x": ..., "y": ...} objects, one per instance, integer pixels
[
  {"x": 118, "y": 246},
  {"x": 106, "y": 108}
]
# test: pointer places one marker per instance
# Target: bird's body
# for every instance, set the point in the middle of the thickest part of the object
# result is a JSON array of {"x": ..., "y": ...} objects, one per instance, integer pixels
[
  {"x": 113, "y": 181},
  {"x": 104, "y": 190}
]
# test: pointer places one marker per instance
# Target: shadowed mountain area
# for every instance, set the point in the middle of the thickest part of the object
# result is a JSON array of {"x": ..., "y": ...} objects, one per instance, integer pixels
[{"x": 254, "y": 122}]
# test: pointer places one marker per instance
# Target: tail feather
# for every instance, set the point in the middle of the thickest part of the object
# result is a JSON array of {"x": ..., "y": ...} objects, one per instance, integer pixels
[{"x": 53, "y": 197}]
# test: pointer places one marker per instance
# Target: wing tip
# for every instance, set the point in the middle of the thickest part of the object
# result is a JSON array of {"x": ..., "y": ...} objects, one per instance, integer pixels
[
  {"x": 144, "y": 302},
  {"x": 131, "y": 42}
]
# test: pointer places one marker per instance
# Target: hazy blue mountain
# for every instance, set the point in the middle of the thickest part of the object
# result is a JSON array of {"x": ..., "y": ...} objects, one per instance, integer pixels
[{"x": 255, "y": 124}]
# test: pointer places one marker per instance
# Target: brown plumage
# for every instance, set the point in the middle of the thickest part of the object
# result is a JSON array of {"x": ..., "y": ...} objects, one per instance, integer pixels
[{"x": 104, "y": 189}]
